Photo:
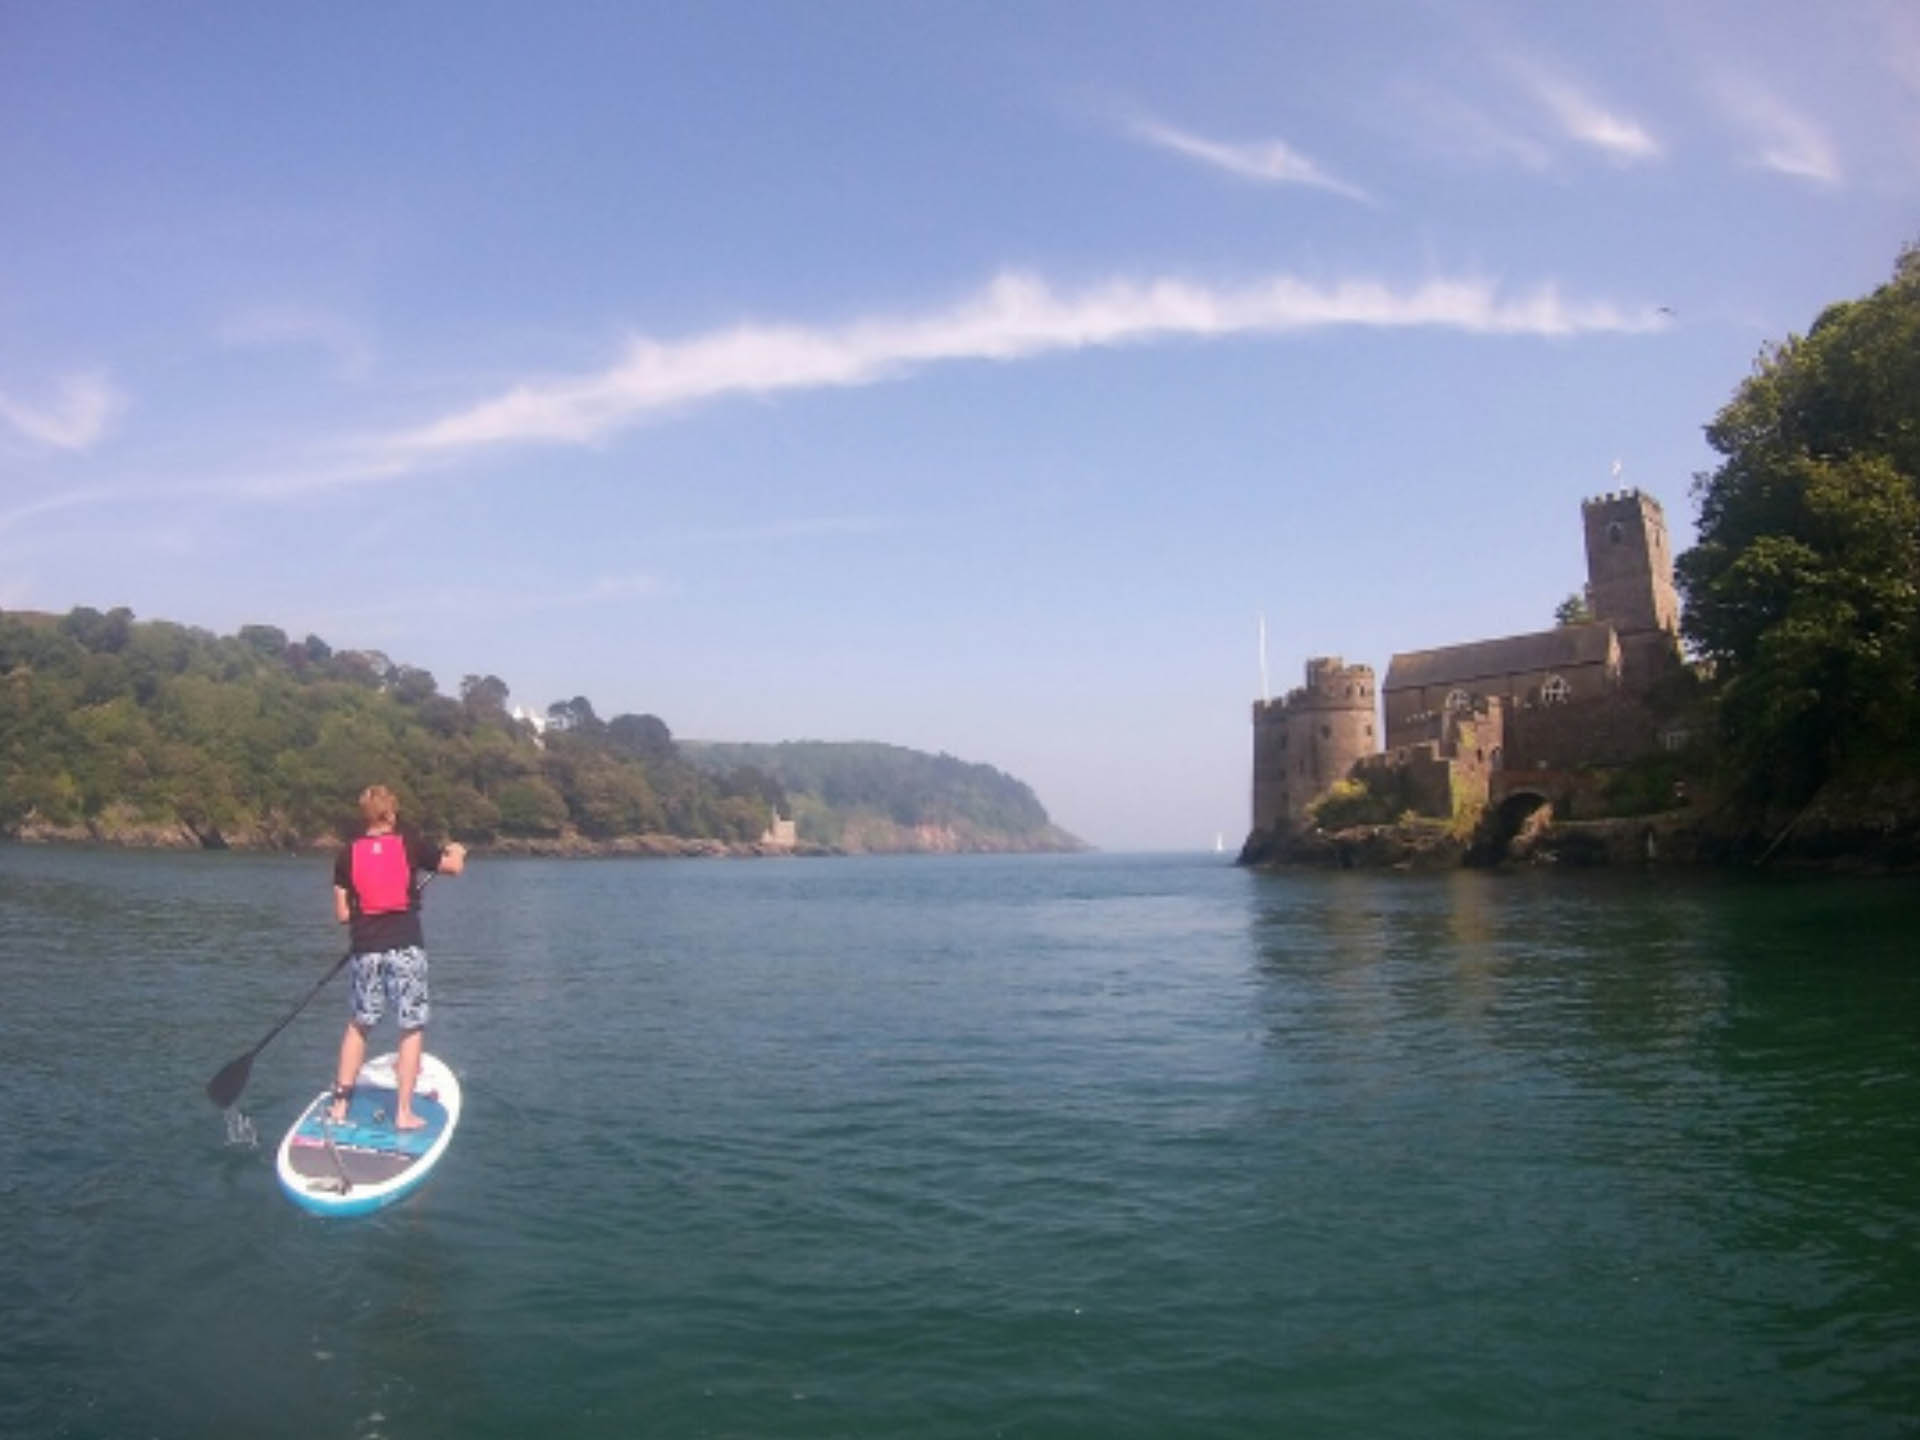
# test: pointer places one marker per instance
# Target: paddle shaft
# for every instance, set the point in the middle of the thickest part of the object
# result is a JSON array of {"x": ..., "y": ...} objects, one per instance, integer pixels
[{"x": 305, "y": 1000}]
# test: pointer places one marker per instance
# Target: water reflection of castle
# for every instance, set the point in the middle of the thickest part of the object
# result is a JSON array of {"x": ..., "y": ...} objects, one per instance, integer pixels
[{"x": 1473, "y": 722}]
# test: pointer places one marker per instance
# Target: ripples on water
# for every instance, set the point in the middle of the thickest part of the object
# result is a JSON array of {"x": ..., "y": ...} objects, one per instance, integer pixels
[
  {"x": 240, "y": 1129},
  {"x": 1091, "y": 1146}
]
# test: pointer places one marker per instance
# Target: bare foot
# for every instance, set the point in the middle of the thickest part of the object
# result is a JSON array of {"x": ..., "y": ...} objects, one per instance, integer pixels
[
  {"x": 338, "y": 1112},
  {"x": 407, "y": 1120}
]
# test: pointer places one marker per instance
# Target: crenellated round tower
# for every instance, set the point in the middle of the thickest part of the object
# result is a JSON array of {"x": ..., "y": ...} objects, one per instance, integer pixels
[{"x": 1305, "y": 742}]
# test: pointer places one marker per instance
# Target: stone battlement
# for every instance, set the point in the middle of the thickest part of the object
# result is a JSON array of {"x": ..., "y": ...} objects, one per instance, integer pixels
[{"x": 1628, "y": 496}]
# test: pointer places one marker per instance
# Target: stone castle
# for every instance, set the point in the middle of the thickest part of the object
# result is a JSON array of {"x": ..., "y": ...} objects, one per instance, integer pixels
[{"x": 1472, "y": 724}]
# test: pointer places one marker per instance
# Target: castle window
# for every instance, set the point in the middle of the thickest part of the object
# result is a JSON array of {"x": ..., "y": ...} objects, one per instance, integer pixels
[
  {"x": 1458, "y": 700},
  {"x": 1496, "y": 757},
  {"x": 1369, "y": 732},
  {"x": 1555, "y": 690},
  {"x": 1614, "y": 533},
  {"x": 1326, "y": 732}
]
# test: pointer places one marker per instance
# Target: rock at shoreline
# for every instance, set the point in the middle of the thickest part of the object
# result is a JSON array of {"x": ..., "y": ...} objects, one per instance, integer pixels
[
  {"x": 125, "y": 830},
  {"x": 1865, "y": 829},
  {"x": 1405, "y": 845}
]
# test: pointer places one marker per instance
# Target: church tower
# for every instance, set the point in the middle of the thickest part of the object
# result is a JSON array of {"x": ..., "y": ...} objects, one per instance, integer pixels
[{"x": 1630, "y": 582}]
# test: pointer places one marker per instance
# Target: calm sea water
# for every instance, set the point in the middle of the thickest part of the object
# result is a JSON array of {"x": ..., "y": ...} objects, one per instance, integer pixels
[{"x": 1105, "y": 1146}]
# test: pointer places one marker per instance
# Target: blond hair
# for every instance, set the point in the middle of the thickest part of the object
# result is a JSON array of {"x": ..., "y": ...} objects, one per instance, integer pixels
[{"x": 378, "y": 805}]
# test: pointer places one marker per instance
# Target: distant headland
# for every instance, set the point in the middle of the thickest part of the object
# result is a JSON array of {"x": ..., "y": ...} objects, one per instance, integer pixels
[{"x": 146, "y": 733}]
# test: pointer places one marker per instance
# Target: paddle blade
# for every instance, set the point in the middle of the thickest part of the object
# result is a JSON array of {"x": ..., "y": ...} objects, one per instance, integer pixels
[{"x": 223, "y": 1089}]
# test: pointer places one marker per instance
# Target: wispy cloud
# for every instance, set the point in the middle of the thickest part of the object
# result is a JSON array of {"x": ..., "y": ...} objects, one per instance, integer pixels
[
  {"x": 53, "y": 504},
  {"x": 1899, "y": 46},
  {"x": 78, "y": 417},
  {"x": 1448, "y": 126},
  {"x": 506, "y": 598},
  {"x": 1899, "y": 42},
  {"x": 805, "y": 528},
  {"x": 1585, "y": 119},
  {"x": 1016, "y": 317},
  {"x": 1785, "y": 141},
  {"x": 1269, "y": 162},
  {"x": 272, "y": 482},
  {"x": 271, "y": 326},
  {"x": 280, "y": 481}
]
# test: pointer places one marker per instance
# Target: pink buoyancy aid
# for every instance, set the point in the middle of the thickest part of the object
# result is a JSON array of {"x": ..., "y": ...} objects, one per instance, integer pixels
[{"x": 382, "y": 878}]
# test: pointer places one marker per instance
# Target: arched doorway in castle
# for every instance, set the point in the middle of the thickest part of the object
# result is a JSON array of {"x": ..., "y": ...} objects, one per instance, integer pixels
[{"x": 1519, "y": 817}]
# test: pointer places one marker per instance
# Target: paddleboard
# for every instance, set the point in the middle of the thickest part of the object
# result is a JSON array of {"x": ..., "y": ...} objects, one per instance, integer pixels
[{"x": 360, "y": 1164}]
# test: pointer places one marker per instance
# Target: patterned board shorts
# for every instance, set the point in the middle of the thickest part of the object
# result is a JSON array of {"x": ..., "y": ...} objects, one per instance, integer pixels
[{"x": 383, "y": 977}]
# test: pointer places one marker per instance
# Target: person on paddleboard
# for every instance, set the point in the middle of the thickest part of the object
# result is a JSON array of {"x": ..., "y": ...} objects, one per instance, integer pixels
[{"x": 375, "y": 890}]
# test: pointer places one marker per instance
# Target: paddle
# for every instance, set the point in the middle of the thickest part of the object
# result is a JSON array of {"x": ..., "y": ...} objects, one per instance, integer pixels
[{"x": 225, "y": 1087}]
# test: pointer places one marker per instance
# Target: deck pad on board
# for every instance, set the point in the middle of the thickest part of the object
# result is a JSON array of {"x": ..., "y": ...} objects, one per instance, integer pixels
[{"x": 369, "y": 1123}]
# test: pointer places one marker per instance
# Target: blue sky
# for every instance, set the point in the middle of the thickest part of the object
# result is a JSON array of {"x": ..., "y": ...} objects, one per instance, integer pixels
[{"x": 962, "y": 376}]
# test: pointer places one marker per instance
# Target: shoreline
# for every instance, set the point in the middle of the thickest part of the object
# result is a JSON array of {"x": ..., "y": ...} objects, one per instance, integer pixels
[
  {"x": 1809, "y": 843},
  {"x": 119, "y": 833}
]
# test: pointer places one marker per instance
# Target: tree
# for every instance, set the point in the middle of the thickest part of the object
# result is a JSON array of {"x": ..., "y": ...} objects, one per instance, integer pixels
[
  {"x": 575, "y": 717},
  {"x": 1804, "y": 589},
  {"x": 1572, "y": 611},
  {"x": 644, "y": 737},
  {"x": 362, "y": 667},
  {"x": 485, "y": 696},
  {"x": 442, "y": 715},
  {"x": 412, "y": 685},
  {"x": 531, "y": 807},
  {"x": 609, "y": 798},
  {"x": 104, "y": 634},
  {"x": 268, "y": 640}
]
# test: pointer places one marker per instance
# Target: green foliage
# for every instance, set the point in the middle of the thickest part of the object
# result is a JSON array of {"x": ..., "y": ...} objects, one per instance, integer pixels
[
  {"x": 252, "y": 734},
  {"x": 1572, "y": 611},
  {"x": 531, "y": 807},
  {"x": 1804, "y": 590},
  {"x": 1648, "y": 785},
  {"x": 1377, "y": 798},
  {"x": 269, "y": 640},
  {"x": 907, "y": 788}
]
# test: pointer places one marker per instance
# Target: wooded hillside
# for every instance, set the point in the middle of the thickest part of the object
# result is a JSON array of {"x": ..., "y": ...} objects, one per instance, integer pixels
[
  {"x": 853, "y": 794},
  {"x": 133, "y": 730}
]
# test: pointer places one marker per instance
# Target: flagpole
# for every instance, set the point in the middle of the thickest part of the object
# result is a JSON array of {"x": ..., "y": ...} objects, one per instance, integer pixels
[{"x": 1266, "y": 695}]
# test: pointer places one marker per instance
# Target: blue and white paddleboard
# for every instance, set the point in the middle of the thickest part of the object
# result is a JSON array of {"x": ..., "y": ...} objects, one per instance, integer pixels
[{"x": 357, "y": 1165}]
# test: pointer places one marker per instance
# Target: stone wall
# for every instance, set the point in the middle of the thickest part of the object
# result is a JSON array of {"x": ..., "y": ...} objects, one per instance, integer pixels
[
  {"x": 1608, "y": 729},
  {"x": 1407, "y": 710},
  {"x": 1449, "y": 770}
]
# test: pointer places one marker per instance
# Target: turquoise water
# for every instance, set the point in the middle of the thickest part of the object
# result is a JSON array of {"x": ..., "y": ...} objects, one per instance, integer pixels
[{"x": 1105, "y": 1146}]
